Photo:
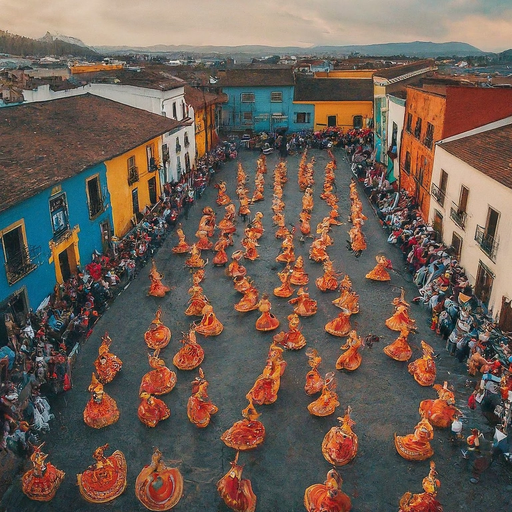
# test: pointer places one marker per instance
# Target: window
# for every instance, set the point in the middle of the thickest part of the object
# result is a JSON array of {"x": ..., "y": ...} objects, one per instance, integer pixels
[
  {"x": 178, "y": 146},
  {"x": 437, "y": 224},
  {"x": 429, "y": 136},
  {"x": 276, "y": 97},
  {"x": 247, "y": 97},
  {"x": 183, "y": 111},
  {"x": 187, "y": 162},
  {"x": 59, "y": 214},
  {"x": 152, "y": 190},
  {"x": 165, "y": 153},
  {"x": 439, "y": 192},
  {"x": 331, "y": 120},
  {"x": 358, "y": 122},
  {"x": 174, "y": 114},
  {"x": 247, "y": 117},
  {"x": 152, "y": 166},
  {"x": 133, "y": 172},
  {"x": 135, "y": 201},
  {"x": 407, "y": 162},
  {"x": 417, "y": 128},
  {"x": 186, "y": 141},
  {"x": 486, "y": 236},
  {"x": 302, "y": 117},
  {"x": 16, "y": 253},
  {"x": 456, "y": 245},
  {"x": 484, "y": 282},
  {"x": 94, "y": 196},
  {"x": 408, "y": 125}
]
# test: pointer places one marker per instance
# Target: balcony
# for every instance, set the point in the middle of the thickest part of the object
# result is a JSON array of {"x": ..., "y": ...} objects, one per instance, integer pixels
[
  {"x": 438, "y": 194},
  {"x": 133, "y": 175},
  {"x": 21, "y": 263},
  {"x": 458, "y": 216},
  {"x": 487, "y": 243}
]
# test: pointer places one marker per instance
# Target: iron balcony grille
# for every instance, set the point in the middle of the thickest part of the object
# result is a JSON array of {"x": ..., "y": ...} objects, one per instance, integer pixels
[
  {"x": 487, "y": 243},
  {"x": 438, "y": 194},
  {"x": 21, "y": 263},
  {"x": 96, "y": 207},
  {"x": 458, "y": 216}
]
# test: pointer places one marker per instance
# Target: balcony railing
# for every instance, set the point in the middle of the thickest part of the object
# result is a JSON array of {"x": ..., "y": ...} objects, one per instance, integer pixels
[
  {"x": 133, "y": 175},
  {"x": 97, "y": 206},
  {"x": 438, "y": 194},
  {"x": 21, "y": 263},
  {"x": 458, "y": 216},
  {"x": 487, "y": 243}
]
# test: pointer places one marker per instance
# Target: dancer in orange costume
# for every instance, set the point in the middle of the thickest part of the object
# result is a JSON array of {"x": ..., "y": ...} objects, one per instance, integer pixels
[
  {"x": 424, "y": 369},
  {"x": 242, "y": 283},
  {"x": 245, "y": 434},
  {"x": 357, "y": 239},
  {"x": 197, "y": 301},
  {"x": 416, "y": 446},
  {"x": 160, "y": 380},
  {"x": 191, "y": 354},
  {"x": 351, "y": 359},
  {"x": 299, "y": 277},
  {"x": 314, "y": 381},
  {"x": 327, "y": 402},
  {"x": 266, "y": 386},
  {"x": 305, "y": 226},
  {"x": 159, "y": 487},
  {"x": 304, "y": 305},
  {"x": 426, "y": 501},
  {"x": 199, "y": 407},
  {"x": 255, "y": 228},
  {"x": 399, "y": 350},
  {"x": 227, "y": 224},
  {"x": 379, "y": 272},
  {"x": 195, "y": 260},
  {"x": 249, "y": 302},
  {"x": 42, "y": 481},
  {"x": 101, "y": 410},
  {"x": 285, "y": 290},
  {"x": 327, "y": 496},
  {"x": 267, "y": 321},
  {"x": 293, "y": 339},
  {"x": 243, "y": 209},
  {"x": 104, "y": 480},
  {"x": 222, "y": 197},
  {"x": 203, "y": 243},
  {"x": 317, "y": 250},
  {"x": 348, "y": 299},
  {"x": 328, "y": 281},
  {"x": 157, "y": 289},
  {"x": 152, "y": 410},
  {"x": 182, "y": 246},
  {"x": 158, "y": 335},
  {"x": 334, "y": 215},
  {"x": 207, "y": 221},
  {"x": 209, "y": 325},
  {"x": 287, "y": 250},
  {"x": 251, "y": 248},
  {"x": 234, "y": 268},
  {"x": 107, "y": 364},
  {"x": 279, "y": 221},
  {"x": 197, "y": 275},
  {"x": 236, "y": 491},
  {"x": 307, "y": 199},
  {"x": 340, "y": 326},
  {"x": 442, "y": 411},
  {"x": 340, "y": 443},
  {"x": 401, "y": 320}
]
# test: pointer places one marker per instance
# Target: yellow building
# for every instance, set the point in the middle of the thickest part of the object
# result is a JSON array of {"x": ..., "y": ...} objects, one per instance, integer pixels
[
  {"x": 205, "y": 107},
  {"x": 133, "y": 182},
  {"x": 342, "y": 102}
]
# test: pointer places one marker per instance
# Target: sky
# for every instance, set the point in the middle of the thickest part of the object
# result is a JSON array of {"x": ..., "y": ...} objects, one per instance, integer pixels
[{"x": 486, "y": 24}]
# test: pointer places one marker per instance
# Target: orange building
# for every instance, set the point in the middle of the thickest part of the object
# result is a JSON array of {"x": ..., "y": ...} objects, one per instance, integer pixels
[{"x": 434, "y": 112}]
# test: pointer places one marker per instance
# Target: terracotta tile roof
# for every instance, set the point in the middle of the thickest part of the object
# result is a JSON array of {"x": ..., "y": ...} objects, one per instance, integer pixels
[
  {"x": 198, "y": 98},
  {"x": 398, "y": 71},
  {"x": 42, "y": 144},
  {"x": 489, "y": 152},
  {"x": 257, "y": 77},
  {"x": 333, "y": 89}
]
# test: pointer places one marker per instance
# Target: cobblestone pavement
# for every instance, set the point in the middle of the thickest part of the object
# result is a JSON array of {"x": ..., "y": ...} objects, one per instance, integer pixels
[{"x": 383, "y": 396}]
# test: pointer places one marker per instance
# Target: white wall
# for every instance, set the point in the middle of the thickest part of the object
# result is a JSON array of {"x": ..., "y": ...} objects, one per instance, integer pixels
[
  {"x": 484, "y": 192},
  {"x": 396, "y": 114}
]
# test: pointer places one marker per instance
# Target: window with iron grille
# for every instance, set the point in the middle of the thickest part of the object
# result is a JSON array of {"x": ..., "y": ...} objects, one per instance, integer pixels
[
  {"x": 302, "y": 117},
  {"x": 247, "y": 97},
  {"x": 133, "y": 172},
  {"x": 429, "y": 136},
  {"x": 417, "y": 128},
  {"x": 18, "y": 262},
  {"x": 408, "y": 125},
  {"x": 94, "y": 197},
  {"x": 247, "y": 117},
  {"x": 276, "y": 97}
]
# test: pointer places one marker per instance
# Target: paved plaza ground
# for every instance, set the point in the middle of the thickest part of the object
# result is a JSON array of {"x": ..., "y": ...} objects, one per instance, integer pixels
[{"x": 383, "y": 396}]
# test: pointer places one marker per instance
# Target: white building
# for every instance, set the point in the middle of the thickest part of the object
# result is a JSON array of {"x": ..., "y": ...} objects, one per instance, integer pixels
[
  {"x": 396, "y": 115},
  {"x": 159, "y": 94},
  {"x": 472, "y": 198}
]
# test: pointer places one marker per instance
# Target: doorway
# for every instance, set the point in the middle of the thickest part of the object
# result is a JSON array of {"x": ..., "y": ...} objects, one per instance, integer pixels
[
  {"x": 67, "y": 262},
  {"x": 484, "y": 282}
]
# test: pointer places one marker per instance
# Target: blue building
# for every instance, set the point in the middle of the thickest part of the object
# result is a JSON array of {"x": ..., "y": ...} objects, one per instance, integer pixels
[
  {"x": 261, "y": 100},
  {"x": 54, "y": 202}
]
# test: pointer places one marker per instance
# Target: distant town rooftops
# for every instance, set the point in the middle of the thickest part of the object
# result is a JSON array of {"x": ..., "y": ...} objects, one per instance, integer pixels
[
  {"x": 256, "y": 77},
  {"x": 333, "y": 89},
  {"x": 199, "y": 99},
  {"x": 490, "y": 152},
  {"x": 405, "y": 69},
  {"x": 42, "y": 144}
]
